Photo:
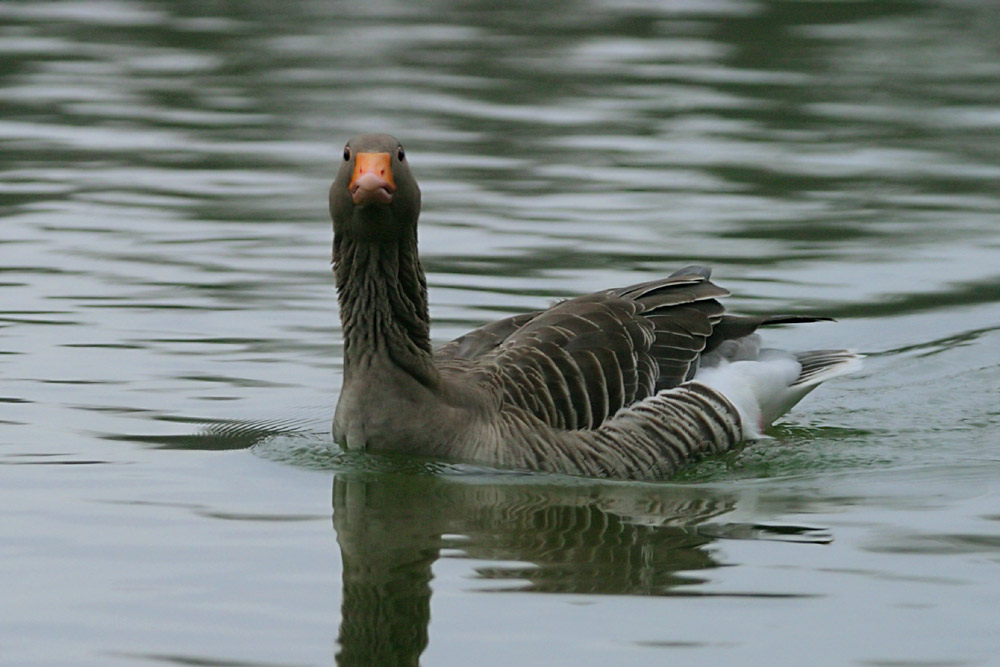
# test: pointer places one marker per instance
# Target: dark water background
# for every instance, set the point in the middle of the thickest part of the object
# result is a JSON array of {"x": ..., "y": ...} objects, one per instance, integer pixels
[{"x": 170, "y": 350}]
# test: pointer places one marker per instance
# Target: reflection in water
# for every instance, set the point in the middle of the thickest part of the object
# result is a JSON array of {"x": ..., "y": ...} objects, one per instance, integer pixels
[
  {"x": 579, "y": 537},
  {"x": 387, "y": 554}
]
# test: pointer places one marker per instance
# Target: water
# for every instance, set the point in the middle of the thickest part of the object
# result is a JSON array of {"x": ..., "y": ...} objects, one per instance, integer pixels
[{"x": 170, "y": 351}]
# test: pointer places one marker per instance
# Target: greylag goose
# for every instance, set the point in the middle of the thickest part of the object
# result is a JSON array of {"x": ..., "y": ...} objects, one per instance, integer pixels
[{"x": 628, "y": 383}]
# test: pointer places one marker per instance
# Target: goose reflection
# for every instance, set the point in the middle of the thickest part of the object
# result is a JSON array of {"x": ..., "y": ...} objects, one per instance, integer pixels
[{"x": 575, "y": 538}]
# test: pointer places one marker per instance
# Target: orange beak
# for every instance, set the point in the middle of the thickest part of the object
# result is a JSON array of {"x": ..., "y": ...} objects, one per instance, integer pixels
[{"x": 371, "y": 182}]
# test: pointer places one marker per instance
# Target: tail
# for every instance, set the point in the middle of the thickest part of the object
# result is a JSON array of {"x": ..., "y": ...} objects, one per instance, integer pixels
[{"x": 767, "y": 387}]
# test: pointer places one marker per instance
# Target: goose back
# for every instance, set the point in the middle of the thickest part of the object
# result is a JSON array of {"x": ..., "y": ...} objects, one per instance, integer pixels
[{"x": 577, "y": 364}]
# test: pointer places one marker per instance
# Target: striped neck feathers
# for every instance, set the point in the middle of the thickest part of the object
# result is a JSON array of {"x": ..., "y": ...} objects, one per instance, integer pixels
[{"x": 382, "y": 294}]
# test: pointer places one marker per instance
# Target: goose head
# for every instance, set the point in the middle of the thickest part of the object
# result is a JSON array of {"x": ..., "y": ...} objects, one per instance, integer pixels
[{"x": 374, "y": 195}]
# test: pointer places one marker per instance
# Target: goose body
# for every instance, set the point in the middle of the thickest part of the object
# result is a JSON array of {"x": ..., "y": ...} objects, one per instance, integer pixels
[{"x": 627, "y": 383}]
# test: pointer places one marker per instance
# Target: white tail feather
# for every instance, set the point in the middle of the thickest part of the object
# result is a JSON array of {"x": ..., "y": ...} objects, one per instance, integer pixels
[{"x": 766, "y": 388}]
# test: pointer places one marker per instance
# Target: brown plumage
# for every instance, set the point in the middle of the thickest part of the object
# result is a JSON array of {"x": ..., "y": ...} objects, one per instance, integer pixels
[{"x": 603, "y": 384}]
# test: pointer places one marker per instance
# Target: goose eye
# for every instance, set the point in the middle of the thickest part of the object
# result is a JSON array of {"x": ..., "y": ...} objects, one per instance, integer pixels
[
  {"x": 347, "y": 153},
  {"x": 400, "y": 154}
]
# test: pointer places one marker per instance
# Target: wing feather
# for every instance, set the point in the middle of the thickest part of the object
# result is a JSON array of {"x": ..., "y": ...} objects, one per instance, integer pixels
[{"x": 581, "y": 361}]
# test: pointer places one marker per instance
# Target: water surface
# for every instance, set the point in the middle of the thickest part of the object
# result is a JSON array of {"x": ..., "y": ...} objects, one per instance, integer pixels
[{"x": 170, "y": 349}]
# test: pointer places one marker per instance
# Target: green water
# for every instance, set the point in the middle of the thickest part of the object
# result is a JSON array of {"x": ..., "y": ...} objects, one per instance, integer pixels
[{"x": 170, "y": 348}]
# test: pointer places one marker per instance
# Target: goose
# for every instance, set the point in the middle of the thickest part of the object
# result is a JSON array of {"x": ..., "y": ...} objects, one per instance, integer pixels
[{"x": 625, "y": 383}]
